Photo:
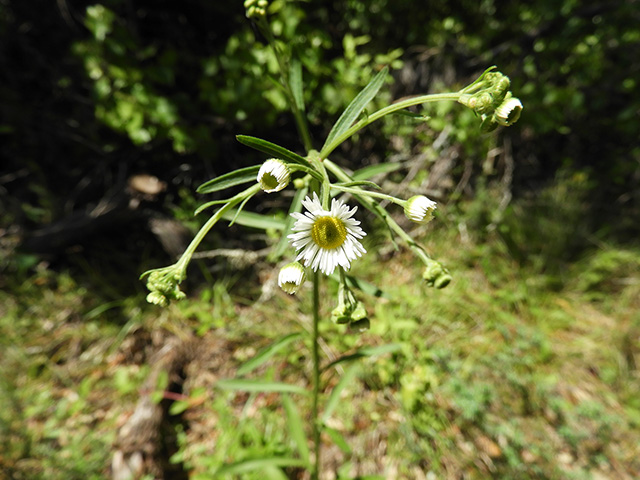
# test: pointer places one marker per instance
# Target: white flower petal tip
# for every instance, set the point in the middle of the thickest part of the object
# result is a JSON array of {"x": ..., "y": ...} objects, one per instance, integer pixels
[
  {"x": 419, "y": 209},
  {"x": 291, "y": 277},
  {"x": 509, "y": 111},
  {"x": 325, "y": 239},
  {"x": 274, "y": 175}
]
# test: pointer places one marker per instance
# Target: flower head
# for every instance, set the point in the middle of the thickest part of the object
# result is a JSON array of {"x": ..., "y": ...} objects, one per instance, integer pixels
[
  {"x": 419, "y": 209},
  {"x": 327, "y": 238},
  {"x": 291, "y": 277},
  {"x": 274, "y": 175},
  {"x": 509, "y": 111}
]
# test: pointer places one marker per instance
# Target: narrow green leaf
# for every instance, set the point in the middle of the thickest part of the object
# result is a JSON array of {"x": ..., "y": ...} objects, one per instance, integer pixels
[
  {"x": 254, "y": 220},
  {"x": 264, "y": 355},
  {"x": 273, "y": 150},
  {"x": 295, "y": 81},
  {"x": 296, "y": 206},
  {"x": 296, "y": 427},
  {"x": 366, "y": 287},
  {"x": 239, "y": 209},
  {"x": 246, "y": 385},
  {"x": 237, "y": 177},
  {"x": 373, "y": 170},
  {"x": 334, "y": 398},
  {"x": 244, "y": 466},
  {"x": 366, "y": 352},
  {"x": 204, "y": 206},
  {"x": 352, "y": 112},
  {"x": 338, "y": 439},
  {"x": 357, "y": 183}
]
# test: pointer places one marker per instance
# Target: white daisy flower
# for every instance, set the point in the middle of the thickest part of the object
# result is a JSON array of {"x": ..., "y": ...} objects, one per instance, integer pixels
[
  {"x": 291, "y": 277},
  {"x": 274, "y": 175},
  {"x": 327, "y": 238},
  {"x": 419, "y": 209}
]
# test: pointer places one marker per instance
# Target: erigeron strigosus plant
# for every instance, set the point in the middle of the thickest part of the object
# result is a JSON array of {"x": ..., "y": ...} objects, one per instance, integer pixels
[{"x": 322, "y": 229}]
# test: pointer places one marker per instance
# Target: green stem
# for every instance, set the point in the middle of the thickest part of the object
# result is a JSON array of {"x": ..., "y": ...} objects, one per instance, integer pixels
[
  {"x": 359, "y": 191},
  {"x": 327, "y": 149},
  {"x": 372, "y": 205},
  {"x": 315, "y": 418},
  {"x": 301, "y": 120},
  {"x": 189, "y": 251}
]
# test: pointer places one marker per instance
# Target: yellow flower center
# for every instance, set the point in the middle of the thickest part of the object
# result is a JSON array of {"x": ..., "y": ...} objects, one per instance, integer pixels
[
  {"x": 328, "y": 232},
  {"x": 269, "y": 181}
]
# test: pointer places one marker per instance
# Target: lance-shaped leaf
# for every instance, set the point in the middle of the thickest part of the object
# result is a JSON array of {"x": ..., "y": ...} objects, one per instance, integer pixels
[
  {"x": 263, "y": 356},
  {"x": 237, "y": 177},
  {"x": 253, "y": 220},
  {"x": 253, "y": 464},
  {"x": 295, "y": 81},
  {"x": 355, "y": 108},
  {"x": 242, "y": 385},
  {"x": 273, "y": 150}
]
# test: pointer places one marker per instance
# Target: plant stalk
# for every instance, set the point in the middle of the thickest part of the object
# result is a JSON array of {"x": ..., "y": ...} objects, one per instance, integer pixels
[
  {"x": 394, "y": 107},
  {"x": 315, "y": 418}
]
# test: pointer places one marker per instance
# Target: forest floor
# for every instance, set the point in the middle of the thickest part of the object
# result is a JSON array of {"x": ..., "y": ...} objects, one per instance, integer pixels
[{"x": 509, "y": 372}]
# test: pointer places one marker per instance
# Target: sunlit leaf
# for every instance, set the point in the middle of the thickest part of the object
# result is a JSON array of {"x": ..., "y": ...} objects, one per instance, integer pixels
[
  {"x": 254, "y": 220},
  {"x": 338, "y": 439},
  {"x": 263, "y": 356},
  {"x": 334, "y": 398},
  {"x": 248, "y": 385},
  {"x": 358, "y": 183},
  {"x": 237, "y": 177},
  {"x": 295, "y": 81},
  {"x": 244, "y": 466},
  {"x": 367, "y": 352},
  {"x": 273, "y": 150},
  {"x": 296, "y": 427},
  {"x": 355, "y": 108},
  {"x": 296, "y": 206}
]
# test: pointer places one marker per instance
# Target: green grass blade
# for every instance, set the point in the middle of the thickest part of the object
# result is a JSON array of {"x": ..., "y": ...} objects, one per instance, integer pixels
[
  {"x": 355, "y": 108},
  {"x": 296, "y": 427},
  {"x": 237, "y": 177},
  {"x": 245, "y": 385},
  {"x": 273, "y": 150},
  {"x": 250, "y": 465},
  {"x": 334, "y": 398},
  {"x": 263, "y": 356},
  {"x": 367, "y": 352},
  {"x": 338, "y": 440}
]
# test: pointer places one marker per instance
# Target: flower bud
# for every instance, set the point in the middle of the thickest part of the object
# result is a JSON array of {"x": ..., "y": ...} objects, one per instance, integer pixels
[
  {"x": 509, "y": 111},
  {"x": 436, "y": 275},
  {"x": 419, "y": 209},
  {"x": 274, "y": 175},
  {"x": 291, "y": 277}
]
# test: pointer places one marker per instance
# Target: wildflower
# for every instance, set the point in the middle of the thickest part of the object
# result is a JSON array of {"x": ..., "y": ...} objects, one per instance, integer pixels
[
  {"x": 274, "y": 175},
  {"x": 509, "y": 111},
  {"x": 291, "y": 277},
  {"x": 419, "y": 209},
  {"x": 327, "y": 238}
]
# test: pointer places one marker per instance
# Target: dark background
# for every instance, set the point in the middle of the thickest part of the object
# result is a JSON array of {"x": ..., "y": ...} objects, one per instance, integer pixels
[{"x": 92, "y": 97}]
